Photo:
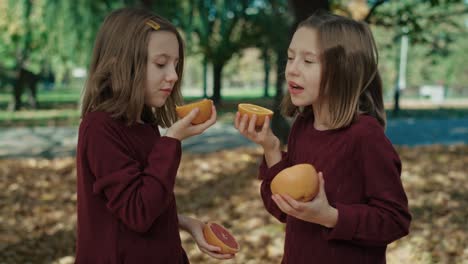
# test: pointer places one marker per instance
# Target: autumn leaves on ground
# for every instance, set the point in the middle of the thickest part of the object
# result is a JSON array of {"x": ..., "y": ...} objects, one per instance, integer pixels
[{"x": 37, "y": 206}]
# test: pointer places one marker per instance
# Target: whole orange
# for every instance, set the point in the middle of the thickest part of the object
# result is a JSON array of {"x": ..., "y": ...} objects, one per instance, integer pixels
[
  {"x": 202, "y": 116},
  {"x": 260, "y": 112},
  {"x": 299, "y": 181}
]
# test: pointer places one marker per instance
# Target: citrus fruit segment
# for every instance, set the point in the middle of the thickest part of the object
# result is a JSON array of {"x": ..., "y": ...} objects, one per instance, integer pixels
[
  {"x": 299, "y": 181},
  {"x": 260, "y": 112},
  {"x": 219, "y": 236},
  {"x": 204, "y": 113}
]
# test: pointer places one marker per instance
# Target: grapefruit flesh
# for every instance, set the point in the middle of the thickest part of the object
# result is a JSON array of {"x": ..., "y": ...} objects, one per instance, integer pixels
[
  {"x": 260, "y": 112},
  {"x": 219, "y": 236}
]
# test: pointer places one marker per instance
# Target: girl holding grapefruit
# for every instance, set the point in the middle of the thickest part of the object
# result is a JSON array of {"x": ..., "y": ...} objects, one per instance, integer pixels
[
  {"x": 358, "y": 205},
  {"x": 126, "y": 170}
]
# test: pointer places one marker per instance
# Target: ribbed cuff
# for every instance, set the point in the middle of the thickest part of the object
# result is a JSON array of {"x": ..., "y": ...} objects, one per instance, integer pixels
[{"x": 346, "y": 225}]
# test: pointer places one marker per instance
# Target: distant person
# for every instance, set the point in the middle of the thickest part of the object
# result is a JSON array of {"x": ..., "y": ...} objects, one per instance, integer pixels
[
  {"x": 125, "y": 169},
  {"x": 335, "y": 92}
]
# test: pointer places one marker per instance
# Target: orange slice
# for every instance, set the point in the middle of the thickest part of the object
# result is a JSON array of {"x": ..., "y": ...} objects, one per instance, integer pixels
[
  {"x": 219, "y": 236},
  {"x": 251, "y": 109},
  {"x": 204, "y": 113}
]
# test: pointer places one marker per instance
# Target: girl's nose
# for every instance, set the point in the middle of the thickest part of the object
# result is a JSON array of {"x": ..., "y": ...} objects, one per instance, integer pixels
[
  {"x": 292, "y": 69},
  {"x": 172, "y": 76}
]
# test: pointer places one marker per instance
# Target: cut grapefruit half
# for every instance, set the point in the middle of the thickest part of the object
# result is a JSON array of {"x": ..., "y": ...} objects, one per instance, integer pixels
[
  {"x": 204, "y": 113},
  {"x": 219, "y": 236},
  {"x": 260, "y": 112}
]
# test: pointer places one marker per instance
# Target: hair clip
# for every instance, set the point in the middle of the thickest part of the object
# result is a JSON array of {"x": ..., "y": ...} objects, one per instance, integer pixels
[{"x": 153, "y": 24}]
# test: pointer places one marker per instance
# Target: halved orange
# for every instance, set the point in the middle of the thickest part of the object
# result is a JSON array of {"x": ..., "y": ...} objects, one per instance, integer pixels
[
  {"x": 204, "y": 113},
  {"x": 219, "y": 236},
  {"x": 251, "y": 109}
]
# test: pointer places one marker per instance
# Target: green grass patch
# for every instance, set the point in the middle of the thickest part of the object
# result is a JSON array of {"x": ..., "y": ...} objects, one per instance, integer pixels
[
  {"x": 60, "y": 117},
  {"x": 61, "y": 109},
  {"x": 54, "y": 99}
]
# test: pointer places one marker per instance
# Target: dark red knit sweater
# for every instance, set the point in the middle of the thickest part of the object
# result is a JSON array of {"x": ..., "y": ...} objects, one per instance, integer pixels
[
  {"x": 126, "y": 205},
  {"x": 362, "y": 181}
]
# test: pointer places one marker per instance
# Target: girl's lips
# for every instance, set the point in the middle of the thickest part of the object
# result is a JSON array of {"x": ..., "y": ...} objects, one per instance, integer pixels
[
  {"x": 166, "y": 90},
  {"x": 293, "y": 90}
]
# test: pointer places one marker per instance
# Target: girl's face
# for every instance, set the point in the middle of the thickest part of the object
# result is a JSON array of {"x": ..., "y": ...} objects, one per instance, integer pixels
[
  {"x": 161, "y": 74},
  {"x": 303, "y": 68}
]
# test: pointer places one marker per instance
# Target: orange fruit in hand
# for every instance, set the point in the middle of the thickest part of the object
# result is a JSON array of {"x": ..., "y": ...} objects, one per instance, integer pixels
[
  {"x": 260, "y": 112},
  {"x": 219, "y": 236},
  {"x": 300, "y": 181},
  {"x": 204, "y": 113}
]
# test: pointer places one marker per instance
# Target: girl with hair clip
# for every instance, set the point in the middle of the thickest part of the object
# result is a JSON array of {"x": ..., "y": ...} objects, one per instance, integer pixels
[
  {"x": 335, "y": 92},
  {"x": 125, "y": 169}
]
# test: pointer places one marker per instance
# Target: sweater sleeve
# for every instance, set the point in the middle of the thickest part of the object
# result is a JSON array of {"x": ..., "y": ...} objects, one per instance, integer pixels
[
  {"x": 137, "y": 195},
  {"x": 267, "y": 175},
  {"x": 384, "y": 217}
]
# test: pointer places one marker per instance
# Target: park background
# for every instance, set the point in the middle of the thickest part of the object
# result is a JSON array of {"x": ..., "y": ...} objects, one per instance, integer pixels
[{"x": 236, "y": 52}]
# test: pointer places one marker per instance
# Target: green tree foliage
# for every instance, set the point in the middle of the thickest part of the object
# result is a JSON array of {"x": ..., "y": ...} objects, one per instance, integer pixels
[
  {"x": 48, "y": 32},
  {"x": 438, "y": 39}
]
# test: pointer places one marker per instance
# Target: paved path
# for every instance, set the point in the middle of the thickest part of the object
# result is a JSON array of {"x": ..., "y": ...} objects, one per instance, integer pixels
[{"x": 49, "y": 142}]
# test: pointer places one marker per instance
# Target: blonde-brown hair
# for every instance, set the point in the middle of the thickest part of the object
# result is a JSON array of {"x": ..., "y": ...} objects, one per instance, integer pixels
[
  {"x": 350, "y": 81},
  {"x": 117, "y": 72}
]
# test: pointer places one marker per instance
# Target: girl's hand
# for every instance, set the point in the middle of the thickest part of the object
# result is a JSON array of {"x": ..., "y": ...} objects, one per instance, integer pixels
[
  {"x": 183, "y": 128},
  {"x": 263, "y": 136},
  {"x": 195, "y": 228},
  {"x": 316, "y": 211}
]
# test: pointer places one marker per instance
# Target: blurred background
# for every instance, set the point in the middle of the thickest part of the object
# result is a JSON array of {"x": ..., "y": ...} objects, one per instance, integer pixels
[{"x": 236, "y": 52}]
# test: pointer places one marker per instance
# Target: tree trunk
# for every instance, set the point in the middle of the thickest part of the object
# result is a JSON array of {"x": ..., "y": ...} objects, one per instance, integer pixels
[
  {"x": 205, "y": 75},
  {"x": 25, "y": 80},
  {"x": 396, "y": 107},
  {"x": 279, "y": 125},
  {"x": 266, "y": 68},
  {"x": 304, "y": 8},
  {"x": 217, "y": 74}
]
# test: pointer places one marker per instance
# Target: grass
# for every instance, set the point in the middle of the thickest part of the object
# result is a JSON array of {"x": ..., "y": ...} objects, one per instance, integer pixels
[
  {"x": 39, "y": 118},
  {"x": 59, "y": 107}
]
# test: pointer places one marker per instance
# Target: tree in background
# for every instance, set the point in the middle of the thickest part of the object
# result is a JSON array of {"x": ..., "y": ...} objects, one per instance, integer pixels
[
  {"x": 59, "y": 34},
  {"x": 431, "y": 28},
  {"x": 40, "y": 34}
]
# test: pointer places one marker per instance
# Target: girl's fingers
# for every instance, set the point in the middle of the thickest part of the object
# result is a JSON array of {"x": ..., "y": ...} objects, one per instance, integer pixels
[
  {"x": 321, "y": 184},
  {"x": 266, "y": 125},
  {"x": 243, "y": 123},
  {"x": 283, "y": 205},
  {"x": 192, "y": 115},
  {"x": 210, "y": 247},
  {"x": 252, "y": 121},
  {"x": 237, "y": 120},
  {"x": 296, "y": 205},
  {"x": 216, "y": 255},
  {"x": 198, "y": 129}
]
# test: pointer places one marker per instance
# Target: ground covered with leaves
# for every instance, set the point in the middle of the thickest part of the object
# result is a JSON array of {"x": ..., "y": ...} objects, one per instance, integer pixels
[{"x": 37, "y": 206}]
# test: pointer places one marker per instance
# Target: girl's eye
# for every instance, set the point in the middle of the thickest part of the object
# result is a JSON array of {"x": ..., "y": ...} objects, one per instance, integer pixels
[
  {"x": 160, "y": 65},
  {"x": 290, "y": 58},
  {"x": 310, "y": 61}
]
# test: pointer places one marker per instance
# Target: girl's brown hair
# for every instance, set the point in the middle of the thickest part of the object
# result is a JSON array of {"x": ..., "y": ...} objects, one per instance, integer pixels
[
  {"x": 350, "y": 81},
  {"x": 117, "y": 73}
]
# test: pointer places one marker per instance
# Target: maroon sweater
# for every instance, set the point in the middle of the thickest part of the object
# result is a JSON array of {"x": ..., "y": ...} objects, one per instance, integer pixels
[
  {"x": 362, "y": 181},
  {"x": 126, "y": 204}
]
